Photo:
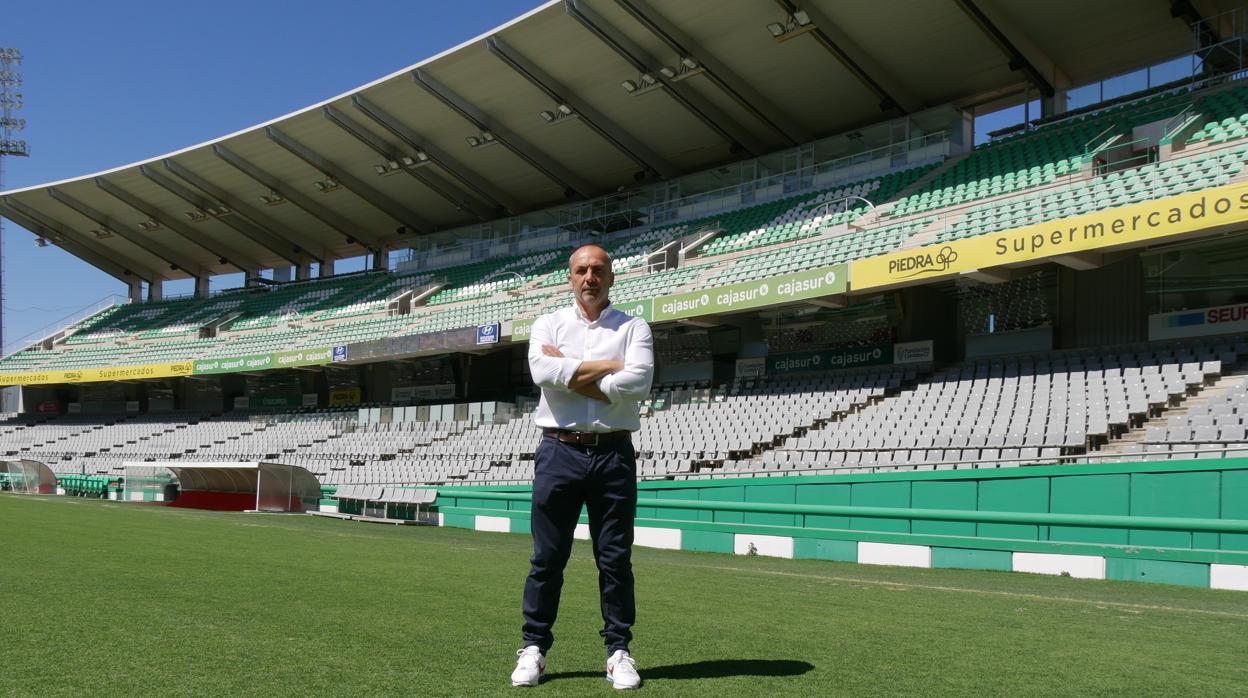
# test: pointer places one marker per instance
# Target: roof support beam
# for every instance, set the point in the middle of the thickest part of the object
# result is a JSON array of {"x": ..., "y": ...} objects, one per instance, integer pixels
[
  {"x": 892, "y": 93},
  {"x": 526, "y": 151},
  {"x": 597, "y": 122},
  {"x": 1018, "y": 61},
  {"x": 430, "y": 179},
  {"x": 81, "y": 247},
  {"x": 1194, "y": 13},
  {"x": 475, "y": 182},
  {"x": 400, "y": 213},
  {"x": 176, "y": 261},
  {"x": 285, "y": 237},
  {"x": 233, "y": 219},
  {"x": 724, "y": 78},
  {"x": 1034, "y": 54},
  {"x": 299, "y": 199},
  {"x": 1215, "y": 33},
  {"x": 227, "y": 256},
  {"x": 710, "y": 115}
]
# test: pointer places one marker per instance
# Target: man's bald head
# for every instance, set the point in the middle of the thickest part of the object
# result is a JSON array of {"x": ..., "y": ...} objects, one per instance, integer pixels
[
  {"x": 590, "y": 275},
  {"x": 589, "y": 248}
]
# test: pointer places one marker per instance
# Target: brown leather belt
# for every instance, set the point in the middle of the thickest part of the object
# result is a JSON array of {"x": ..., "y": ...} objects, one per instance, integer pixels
[{"x": 588, "y": 438}]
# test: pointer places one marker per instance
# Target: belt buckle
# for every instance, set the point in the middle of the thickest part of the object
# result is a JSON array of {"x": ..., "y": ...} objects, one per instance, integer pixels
[{"x": 586, "y": 442}]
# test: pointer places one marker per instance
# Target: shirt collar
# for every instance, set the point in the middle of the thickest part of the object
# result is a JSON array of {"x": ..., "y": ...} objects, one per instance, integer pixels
[{"x": 580, "y": 315}]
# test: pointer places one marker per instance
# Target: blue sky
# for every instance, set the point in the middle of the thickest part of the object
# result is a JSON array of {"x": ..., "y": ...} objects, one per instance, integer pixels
[{"x": 109, "y": 83}]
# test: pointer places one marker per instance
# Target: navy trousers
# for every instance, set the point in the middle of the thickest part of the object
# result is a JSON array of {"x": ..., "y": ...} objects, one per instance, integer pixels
[{"x": 603, "y": 479}]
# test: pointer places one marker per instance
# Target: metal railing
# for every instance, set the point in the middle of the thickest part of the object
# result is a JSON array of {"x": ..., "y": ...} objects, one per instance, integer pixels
[
  {"x": 949, "y": 219},
  {"x": 826, "y": 207},
  {"x": 52, "y": 328},
  {"x": 1119, "y": 103},
  {"x": 821, "y": 175},
  {"x": 1232, "y": 451}
]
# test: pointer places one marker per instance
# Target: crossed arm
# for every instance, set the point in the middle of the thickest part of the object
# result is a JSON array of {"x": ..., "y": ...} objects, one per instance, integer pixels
[
  {"x": 606, "y": 380},
  {"x": 585, "y": 379}
]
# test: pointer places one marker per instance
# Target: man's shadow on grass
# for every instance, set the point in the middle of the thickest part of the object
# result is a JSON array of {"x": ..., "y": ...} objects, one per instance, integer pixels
[{"x": 709, "y": 669}]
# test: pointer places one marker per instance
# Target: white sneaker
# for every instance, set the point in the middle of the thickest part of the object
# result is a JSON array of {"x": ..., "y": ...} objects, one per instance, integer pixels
[
  {"x": 530, "y": 667},
  {"x": 622, "y": 670}
]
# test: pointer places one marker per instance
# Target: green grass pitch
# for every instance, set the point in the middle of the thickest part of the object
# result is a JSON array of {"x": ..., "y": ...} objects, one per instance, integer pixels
[{"x": 103, "y": 598}]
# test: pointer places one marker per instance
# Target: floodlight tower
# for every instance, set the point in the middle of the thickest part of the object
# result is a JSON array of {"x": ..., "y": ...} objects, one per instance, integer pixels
[{"x": 10, "y": 144}]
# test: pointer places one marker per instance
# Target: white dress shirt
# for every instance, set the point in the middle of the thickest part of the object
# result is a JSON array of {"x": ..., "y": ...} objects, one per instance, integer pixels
[{"x": 613, "y": 335}]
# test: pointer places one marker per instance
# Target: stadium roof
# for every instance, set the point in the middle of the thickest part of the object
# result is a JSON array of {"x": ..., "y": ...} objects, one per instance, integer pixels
[{"x": 393, "y": 159}]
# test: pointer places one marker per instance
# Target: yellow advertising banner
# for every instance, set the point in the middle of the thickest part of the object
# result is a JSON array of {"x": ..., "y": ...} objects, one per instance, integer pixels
[
  {"x": 1121, "y": 226},
  {"x": 344, "y": 396},
  {"x": 96, "y": 375}
]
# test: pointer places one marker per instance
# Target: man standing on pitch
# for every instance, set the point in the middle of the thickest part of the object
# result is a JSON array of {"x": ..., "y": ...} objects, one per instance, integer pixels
[{"x": 594, "y": 365}]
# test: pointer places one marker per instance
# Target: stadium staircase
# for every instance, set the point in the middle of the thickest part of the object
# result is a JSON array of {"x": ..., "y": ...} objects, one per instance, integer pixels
[{"x": 1219, "y": 409}]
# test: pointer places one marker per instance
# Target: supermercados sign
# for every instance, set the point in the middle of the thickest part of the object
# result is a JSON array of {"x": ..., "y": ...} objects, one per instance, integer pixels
[
  {"x": 776, "y": 290},
  {"x": 96, "y": 375},
  {"x": 1122, "y": 226}
]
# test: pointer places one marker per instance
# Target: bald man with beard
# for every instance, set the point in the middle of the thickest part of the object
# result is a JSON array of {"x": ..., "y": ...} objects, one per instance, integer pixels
[{"x": 594, "y": 365}]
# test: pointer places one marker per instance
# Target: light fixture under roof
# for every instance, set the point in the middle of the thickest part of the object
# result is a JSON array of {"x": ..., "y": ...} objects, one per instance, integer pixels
[
  {"x": 481, "y": 140},
  {"x": 561, "y": 112},
  {"x": 794, "y": 24},
  {"x": 645, "y": 82},
  {"x": 401, "y": 162}
]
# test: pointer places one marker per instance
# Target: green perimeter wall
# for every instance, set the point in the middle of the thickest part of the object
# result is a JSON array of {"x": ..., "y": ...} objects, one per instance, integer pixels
[{"x": 1159, "y": 521}]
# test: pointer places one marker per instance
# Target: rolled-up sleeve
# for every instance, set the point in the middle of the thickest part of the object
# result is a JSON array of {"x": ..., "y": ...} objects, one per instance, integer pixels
[
  {"x": 549, "y": 372},
  {"x": 633, "y": 383}
]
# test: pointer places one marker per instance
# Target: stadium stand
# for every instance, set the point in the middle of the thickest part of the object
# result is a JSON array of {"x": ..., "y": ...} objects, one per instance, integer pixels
[
  {"x": 1226, "y": 116},
  {"x": 1040, "y": 157},
  {"x": 1183, "y": 174},
  {"x": 793, "y": 217},
  {"x": 1101, "y": 400},
  {"x": 1030, "y": 177},
  {"x": 1065, "y": 406}
]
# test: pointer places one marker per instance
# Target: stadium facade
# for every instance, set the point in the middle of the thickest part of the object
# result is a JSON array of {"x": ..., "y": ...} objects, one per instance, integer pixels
[{"x": 862, "y": 317}]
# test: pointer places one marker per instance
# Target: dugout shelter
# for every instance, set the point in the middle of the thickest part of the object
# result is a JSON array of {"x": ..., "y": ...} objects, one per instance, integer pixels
[{"x": 224, "y": 486}]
